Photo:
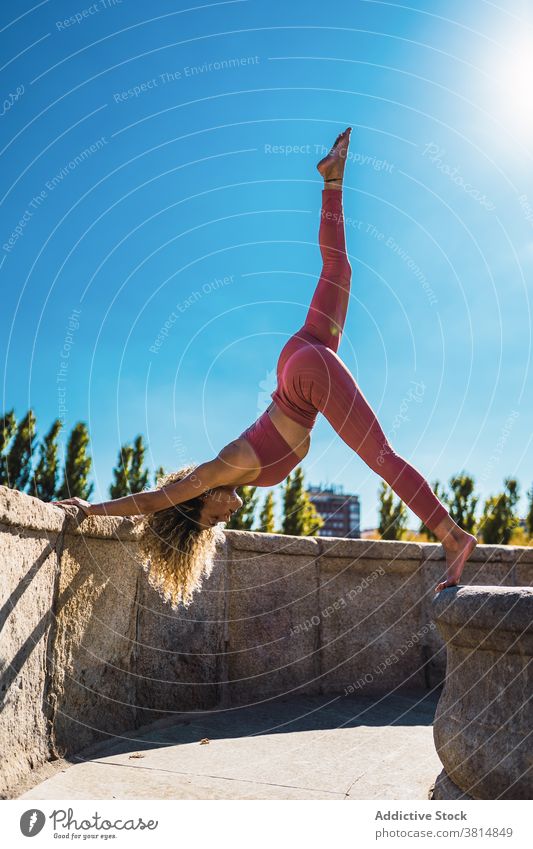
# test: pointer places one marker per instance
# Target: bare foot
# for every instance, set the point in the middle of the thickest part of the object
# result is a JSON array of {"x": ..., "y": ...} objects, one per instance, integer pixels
[
  {"x": 458, "y": 549},
  {"x": 331, "y": 167}
]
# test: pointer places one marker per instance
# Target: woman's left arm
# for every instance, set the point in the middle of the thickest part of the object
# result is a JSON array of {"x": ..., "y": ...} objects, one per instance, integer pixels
[
  {"x": 130, "y": 505},
  {"x": 217, "y": 472}
]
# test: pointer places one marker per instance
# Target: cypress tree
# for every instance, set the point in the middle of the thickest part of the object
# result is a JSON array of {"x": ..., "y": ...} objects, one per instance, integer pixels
[
  {"x": 392, "y": 516},
  {"x": 122, "y": 473},
  {"x": 312, "y": 520},
  {"x": 158, "y": 474},
  {"x": 138, "y": 475},
  {"x": 129, "y": 474},
  {"x": 529, "y": 516},
  {"x": 289, "y": 524},
  {"x": 300, "y": 517},
  {"x": 441, "y": 494},
  {"x": 20, "y": 455},
  {"x": 462, "y": 502},
  {"x": 8, "y": 424},
  {"x": 77, "y": 465},
  {"x": 499, "y": 515},
  {"x": 45, "y": 476},
  {"x": 266, "y": 517}
]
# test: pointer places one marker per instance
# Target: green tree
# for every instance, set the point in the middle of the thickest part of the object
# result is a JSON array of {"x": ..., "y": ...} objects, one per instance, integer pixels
[
  {"x": 392, "y": 516},
  {"x": 499, "y": 514},
  {"x": 122, "y": 473},
  {"x": 462, "y": 502},
  {"x": 441, "y": 495},
  {"x": 243, "y": 519},
  {"x": 77, "y": 465},
  {"x": 138, "y": 475},
  {"x": 47, "y": 470},
  {"x": 312, "y": 520},
  {"x": 266, "y": 516},
  {"x": 300, "y": 517},
  {"x": 20, "y": 455},
  {"x": 158, "y": 474},
  {"x": 130, "y": 476},
  {"x": 529, "y": 515},
  {"x": 8, "y": 424}
]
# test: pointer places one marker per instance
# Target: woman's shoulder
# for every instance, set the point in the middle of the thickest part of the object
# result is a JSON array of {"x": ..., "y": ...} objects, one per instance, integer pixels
[{"x": 239, "y": 456}]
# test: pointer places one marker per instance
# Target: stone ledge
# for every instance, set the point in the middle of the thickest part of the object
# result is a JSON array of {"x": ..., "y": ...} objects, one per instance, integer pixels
[
  {"x": 337, "y": 547},
  {"x": 371, "y": 549},
  {"x": 19, "y": 510},
  {"x": 482, "y": 553},
  {"x": 23, "y": 511},
  {"x": 508, "y": 608},
  {"x": 260, "y": 543},
  {"x": 103, "y": 527}
]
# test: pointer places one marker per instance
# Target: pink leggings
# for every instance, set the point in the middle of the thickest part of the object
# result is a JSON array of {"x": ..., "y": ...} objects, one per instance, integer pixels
[{"x": 312, "y": 378}]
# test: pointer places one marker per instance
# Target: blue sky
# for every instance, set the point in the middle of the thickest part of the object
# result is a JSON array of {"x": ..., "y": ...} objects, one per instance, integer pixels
[{"x": 159, "y": 179}]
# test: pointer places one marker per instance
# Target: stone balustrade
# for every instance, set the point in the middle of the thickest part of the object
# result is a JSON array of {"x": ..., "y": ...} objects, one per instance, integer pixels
[
  {"x": 89, "y": 650},
  {"x": 483, "y": 724}
]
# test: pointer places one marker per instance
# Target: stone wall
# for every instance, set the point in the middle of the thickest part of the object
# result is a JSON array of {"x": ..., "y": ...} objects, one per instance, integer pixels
[{"x": 88, "y": 650}]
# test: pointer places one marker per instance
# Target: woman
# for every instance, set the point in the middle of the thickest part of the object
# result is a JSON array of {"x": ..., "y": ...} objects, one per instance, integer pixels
[{"x": 178, "y": 532}]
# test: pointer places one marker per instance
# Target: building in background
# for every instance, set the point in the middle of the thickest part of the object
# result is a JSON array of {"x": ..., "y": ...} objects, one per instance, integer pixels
[{"x": 340, "y": 511}]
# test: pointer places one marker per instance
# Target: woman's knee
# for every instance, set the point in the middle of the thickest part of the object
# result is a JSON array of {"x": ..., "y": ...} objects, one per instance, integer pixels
[
  {"x": 346, "y": 270},
  {"x": 387, "y": 460},
  {"x": 337, "y": 270}
]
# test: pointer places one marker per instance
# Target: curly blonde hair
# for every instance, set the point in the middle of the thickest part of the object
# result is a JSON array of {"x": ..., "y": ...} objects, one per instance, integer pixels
[{"x": 180, "y": 551}]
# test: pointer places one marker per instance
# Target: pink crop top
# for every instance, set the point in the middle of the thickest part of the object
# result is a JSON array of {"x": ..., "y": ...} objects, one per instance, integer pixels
[{"x": 275, "y": 454}]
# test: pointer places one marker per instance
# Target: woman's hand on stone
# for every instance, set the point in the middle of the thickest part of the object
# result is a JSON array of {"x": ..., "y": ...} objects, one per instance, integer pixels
[{"x": 73, "y": 502}]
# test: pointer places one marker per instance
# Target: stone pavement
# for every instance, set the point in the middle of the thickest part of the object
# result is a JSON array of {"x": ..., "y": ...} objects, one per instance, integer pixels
[{"x": 305, "y": 747}]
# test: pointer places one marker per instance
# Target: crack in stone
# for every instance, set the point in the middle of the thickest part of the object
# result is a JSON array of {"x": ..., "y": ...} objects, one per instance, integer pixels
[{"x": 221, "y": 777}]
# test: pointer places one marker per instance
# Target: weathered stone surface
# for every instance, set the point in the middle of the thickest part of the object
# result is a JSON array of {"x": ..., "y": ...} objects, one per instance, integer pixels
[
  {"x": 370, "y": 549},
  {"x": 278, "y": 615},
  {"x": 28, "y": 568},
  {"x": 305, "y": 747},
  {"x": 524, "y": 554},
  {"x": 25, "y": 512},
  {"x": 523, "y": 569},
  {"x": 372, "y": 634},
  {"x": 102, "y": 527},
  {"x": 444, "y": 788},
  {"x": 180, "y": 655},
  {"x": 488, "y": 565},
  {"x": 270, "y": 544},
  {"x": 270, "y": 650},
  {"x": 431, "y": 572},
  {"x": 92, "y": 666},
  {"x": 484, "y": 553},
  {"x": 483, "y": 720}
]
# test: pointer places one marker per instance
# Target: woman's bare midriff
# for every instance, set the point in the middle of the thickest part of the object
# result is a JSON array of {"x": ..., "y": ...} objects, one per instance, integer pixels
[{"x": 297, "y": 436}]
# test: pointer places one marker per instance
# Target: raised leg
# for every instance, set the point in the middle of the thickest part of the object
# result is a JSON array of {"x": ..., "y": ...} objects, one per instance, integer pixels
[
  {"x": 335, "y": 393},
  {"x": 321, "y": 380},
  {"x": 327, "y": 312}
]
